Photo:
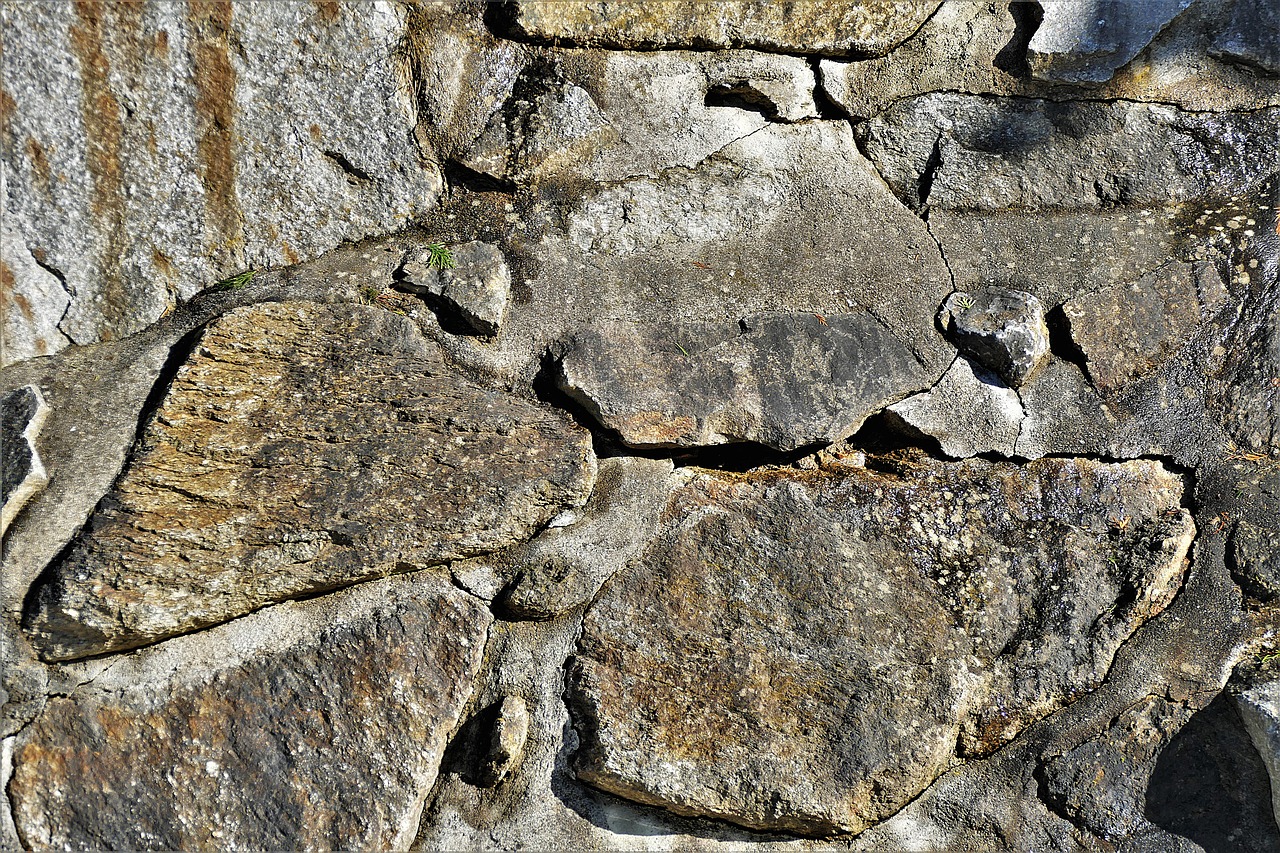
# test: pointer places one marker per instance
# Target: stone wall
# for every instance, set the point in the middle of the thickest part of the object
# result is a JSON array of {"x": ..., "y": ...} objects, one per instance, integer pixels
[{"x": 562, "y": 425}]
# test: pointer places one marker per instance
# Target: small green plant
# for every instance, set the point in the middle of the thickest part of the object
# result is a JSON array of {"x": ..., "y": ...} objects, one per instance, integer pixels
[
  {"x": 439, "y": 257},
  {"x": 965, "y": 301},
  {"x": 236, "y": 282}
]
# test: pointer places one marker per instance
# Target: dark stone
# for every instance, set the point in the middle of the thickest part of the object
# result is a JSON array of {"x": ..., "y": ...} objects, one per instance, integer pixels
[
  {"x": 1000, "y": 327},
  {"x": 1255, "y": 560},
  {"x": 22, "y": 413},
  {"x": 1252, "y": 36}
]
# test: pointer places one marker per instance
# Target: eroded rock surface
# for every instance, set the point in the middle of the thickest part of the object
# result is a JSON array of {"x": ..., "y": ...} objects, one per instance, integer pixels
[
  {"x": 301, "y": 448},
  {"x": 474, "y": 284},
  {"x": 969, "y": 411},
  {"x": 865, "y": 27},
  {"x": 305, "y": 726},
  {"x": 784, "y": 381},
  {"x": 1085, "y": 41},
  {"x": 954, "y": 604},
  {"x": 1002, "y": 328}
]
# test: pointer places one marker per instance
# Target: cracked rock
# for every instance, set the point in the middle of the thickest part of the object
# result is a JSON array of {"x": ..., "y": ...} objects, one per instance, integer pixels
[
  {"x": 867, "y": 27},
  {"x": 1086, "y": 41},
  {"x": 506, "y": 745},
  {"x": 1255, "y": 553},
  {"x": 969, "y": 412},
  {"x": 22, "y": 475},
  {"x": 317, "y": 725},
  {"x": 958, "y": 602},
  {"x": 476, "y": 289},
  {"x": 1259, "y": 707},
  {"x": 301, "y": 448},
  {"x": 781, "y": 380},
  {"x": 1002, "y": 328}
]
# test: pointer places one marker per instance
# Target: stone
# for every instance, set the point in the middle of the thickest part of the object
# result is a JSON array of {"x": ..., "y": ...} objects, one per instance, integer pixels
[
  {"x": 864, "y": 28},
  {"x": 563, "y": 568},
  {"x": 1085, "y": 41},
  {"x": 1251, "y": 37},
  {"x": 32, "y": 301},
  {"x": 1259, "y": 708},
  {"x": 1102, "y": 783},
  {"x": 1255, "y": 560},
  {"x": 305, "y": 725},
  {"x": 477, "y": 288},
  {"x": 969, "y": 412},
  {"x": 1062, "y": 413},
  {"x": 783, "y": 380},
  {"x": 506, "y": 746},
  {"x": 981, "y": 49},
  {"x": 151, "y": 151},
  {"x": 1245, "y": 392},
  {"x": 22, "y": 474},
  {"x": 959, "y": 602},
  {"x": 302, "y": 448},
  {"x": 1002, "y": 328},
  {"x": 1160, "y": 312}
]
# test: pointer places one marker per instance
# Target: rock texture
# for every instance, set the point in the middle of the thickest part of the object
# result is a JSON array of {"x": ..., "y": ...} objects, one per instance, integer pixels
[
  {"x": 958, "y": 603},
  {"x": 473, "y": 284},
  {"x": 22, "y": 414},
  {"x": 303, "y": 448},
  {"x": 153, "y": 150},
  {"x": 784, "y": 381},
  {"x": 305, "y": 726},
  {"x": 1259, "y": 707},
  {"x": 1084, "y": 41},
  {"x": 866, "y": 27},
  {"x": 969, "y": 411},
  {"x": 1004, "y": 329}
]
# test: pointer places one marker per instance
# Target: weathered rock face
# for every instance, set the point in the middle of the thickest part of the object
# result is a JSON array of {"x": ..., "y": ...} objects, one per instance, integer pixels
[
  {"x": 969, "y": 412},
  {"x": 312, "y": 726},
  {"x": 784, "y": 381},
  {"x": 957, "y": 603},
  {"x": 303, "y": 448},
  {"x": 1259, "y": 705},
  {"x": 472, "y": 282},
  {"x": 865, "y": 27},
  {"x": 152, "y": 150},
  {"x": 22, "y": 413},
  {"x": 1084, "y": 41},
  {"x": 1002, "y": 328}
]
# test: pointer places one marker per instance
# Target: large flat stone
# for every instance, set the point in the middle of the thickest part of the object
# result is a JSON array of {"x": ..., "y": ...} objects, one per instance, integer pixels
[
  {"x": 865, "y": 27},
  {"x": 783, "y": 380},
  {"x": 302, "y": 448},
  {"x": 969, "y": 412},
  {"x": 305, "y": 726},
  {"x": 807, "y": 651}
]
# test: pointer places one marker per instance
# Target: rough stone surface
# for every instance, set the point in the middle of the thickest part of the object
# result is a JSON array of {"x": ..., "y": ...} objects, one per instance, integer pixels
[
  {"x": 866, "y": 27},
  {"x": 22, "y": 474},
  {"x": 1249, "y": 388},
  {"x": 152, "y": 150},
  {"x": 1000, "y": 327},
  {"x": 1085, "y": 41},
  {"x": 969, "y": 412},
  {"x": 317, "y": 725},
  {"x": 506, "y": 745},
  {"x": 303, "y": 448},
  {"x": 476, "y": 288},
  {"x": 32, "y": 300},
  {"x": 1062, "y": 413},
  {"x": 1126, "y": 332},
  {"x": 784, "y": 381},
  {"x": 959, "y": 602},
  {"x": 1259, "y": 707},
  {"x": 1255, "y": 559},
  {"x": 1251, "y": 36}
]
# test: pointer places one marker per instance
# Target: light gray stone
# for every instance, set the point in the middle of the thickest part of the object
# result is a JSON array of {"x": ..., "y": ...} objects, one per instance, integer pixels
[
  {"x": 476, "y": 288},
  {"x": 312, "y": 725},
  {"x": 958, "y": 603},
  {"x": 506, "y": 745},
  {"x": 1004, "y": 329},
  {"x": 151, "y": 150},
  {"x": 784, "y": 380},
  {"x": 1259, "y": 708},
  {"x": 968, "y": 411},
  {"x": 866, "y": 27},
  {"x": 32, "y": 299},
  {"x": 22, "y": 474},
  {"x": 1085, "y": 41},
  {"x": 300, "y": 449}
]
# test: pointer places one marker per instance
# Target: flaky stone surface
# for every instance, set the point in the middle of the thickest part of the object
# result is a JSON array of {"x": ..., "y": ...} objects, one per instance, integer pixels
[
  {"x": 864, "y": 27},
  {"x": 784, "y": 381},
  {"x": 969, "y": 412},
  {"x": 151, "y": 150},
  {"x": 957, "y": 603},
  {"x": 306, "y": 726},
  {"x": 302, "y": 448}
]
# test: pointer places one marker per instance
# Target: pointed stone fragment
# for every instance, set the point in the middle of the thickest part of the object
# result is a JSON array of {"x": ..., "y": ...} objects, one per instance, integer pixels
[
  {"x": 22, "y": 475},
  {"x": 1000, "y": 327}
]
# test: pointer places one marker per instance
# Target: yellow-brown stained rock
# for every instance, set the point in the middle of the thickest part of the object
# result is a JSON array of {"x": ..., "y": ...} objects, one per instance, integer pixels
[
  {"x": 305, "y": 726},
  {"x": 807, "y": 651},
  {"x": 300, "y": 449}
]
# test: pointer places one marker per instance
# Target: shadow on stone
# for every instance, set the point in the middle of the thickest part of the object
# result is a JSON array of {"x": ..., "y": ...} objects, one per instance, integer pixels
[{"x": 1210, "y": 786}]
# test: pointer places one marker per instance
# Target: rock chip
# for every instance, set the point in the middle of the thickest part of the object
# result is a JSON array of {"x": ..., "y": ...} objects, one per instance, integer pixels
[
  {"x": 969, "y": 411},
  {"x": 1085, "y": 41},
  {"x": 864, "y": 28},
  {"x": 506, "y": 745},
  {"x": 22, "y": 414},
  {"x": 476, "y": 288},
  {"x": 32, "y": 301},
  {"x": 1255, "y": 560},
  {"x": 302, "y": 448},
  {"x": 1259, "y": 707},
  {"x": 318, "y": 725},
  {"x": 957, "y": 602},
  {"x": 781, "y": 380},
  {"x": 1002, "y": 328},
  {"x": 1126, "y": 332}
]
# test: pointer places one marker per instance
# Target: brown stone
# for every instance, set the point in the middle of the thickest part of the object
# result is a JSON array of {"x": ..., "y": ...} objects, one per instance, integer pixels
[
  {"x": 807, "y": 651},
  {"x": 300, "y": 449}
]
